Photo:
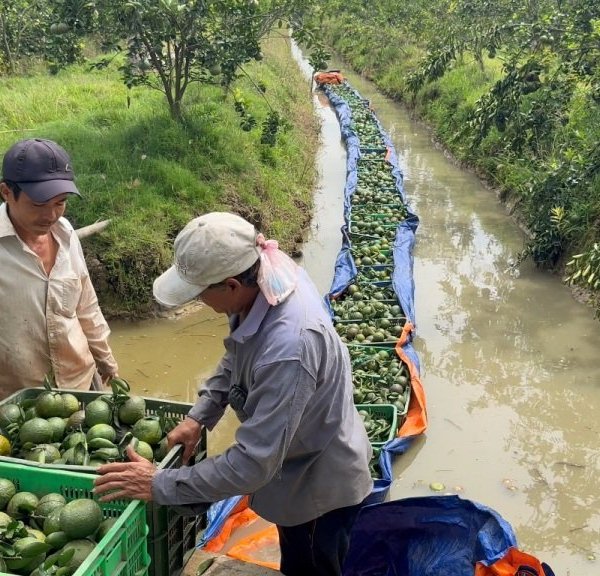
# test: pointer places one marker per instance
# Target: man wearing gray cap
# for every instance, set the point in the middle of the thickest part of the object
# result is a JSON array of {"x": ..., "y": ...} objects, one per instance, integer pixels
[
  {"x": 301, "y": 451},
  {"x": 51, "y": 321}
]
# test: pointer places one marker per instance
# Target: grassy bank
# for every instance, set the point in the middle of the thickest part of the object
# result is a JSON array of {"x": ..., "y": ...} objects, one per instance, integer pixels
[
  {"x": 542, "y": 156},
  {"x": 149, "y": 175}
]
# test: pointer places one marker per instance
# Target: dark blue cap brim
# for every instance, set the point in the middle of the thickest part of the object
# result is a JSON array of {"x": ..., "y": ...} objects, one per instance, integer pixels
[{"x": 46, "y": 190}]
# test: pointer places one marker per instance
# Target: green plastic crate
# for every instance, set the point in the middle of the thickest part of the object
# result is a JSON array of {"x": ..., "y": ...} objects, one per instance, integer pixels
[
  {"x": 395, "y": 324},
  {"x": 123, "y": 550},
  {"x": 375, "y": 273},
  {"x": 374, "y": 208},
  {"x": 172, "y": 538},
  {"x": 386, "y": 412},
  {"x": 358, "y": 239},
  {"x": 372, "y": 198},
  {"x": 371, "y": 161},
  {"x": 373, "y": 388},
  {"x": 392, "y": 218},
  {"x": 368, "y": 288},
  {"x": 153, "y": 405},
  {"x": 366, "y": 251},
  {"x": 360, "y": 355},
  {"x": 384, "y": 220},
  {"x": 367, "y": 149}
]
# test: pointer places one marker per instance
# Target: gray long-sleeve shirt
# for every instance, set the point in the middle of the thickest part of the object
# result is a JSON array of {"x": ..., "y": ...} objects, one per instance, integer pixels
[{"x": 301, "y": 449}]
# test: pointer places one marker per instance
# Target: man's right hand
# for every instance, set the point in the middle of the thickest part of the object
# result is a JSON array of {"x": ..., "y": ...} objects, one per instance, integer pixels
[{"x": 188, "y": 434}]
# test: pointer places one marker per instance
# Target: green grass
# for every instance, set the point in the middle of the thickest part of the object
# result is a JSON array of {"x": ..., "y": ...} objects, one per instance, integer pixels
[{"x": 149, "y": 174}]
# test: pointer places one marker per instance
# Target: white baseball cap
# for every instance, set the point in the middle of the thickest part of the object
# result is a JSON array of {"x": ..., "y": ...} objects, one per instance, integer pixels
[{"x": 208, "y": 250}]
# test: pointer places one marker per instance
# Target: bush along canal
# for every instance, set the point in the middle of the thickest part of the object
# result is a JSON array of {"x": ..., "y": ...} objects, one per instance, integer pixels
[{"x": 371, "y": 301}]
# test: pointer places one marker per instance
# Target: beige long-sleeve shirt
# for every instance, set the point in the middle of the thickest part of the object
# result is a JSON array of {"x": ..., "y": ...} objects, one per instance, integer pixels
[{"x": 49, "y": 322}]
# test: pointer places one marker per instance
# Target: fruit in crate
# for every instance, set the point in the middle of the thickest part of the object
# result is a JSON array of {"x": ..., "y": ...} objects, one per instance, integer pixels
[
  {"x": 43, "y": 534},
  {"x": 58, "y": 428}
]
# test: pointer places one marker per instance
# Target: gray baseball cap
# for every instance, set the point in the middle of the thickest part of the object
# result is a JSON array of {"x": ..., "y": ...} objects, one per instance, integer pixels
[
  {"x": 208, "y": 250},
  {"x": 41, "y": 168}
]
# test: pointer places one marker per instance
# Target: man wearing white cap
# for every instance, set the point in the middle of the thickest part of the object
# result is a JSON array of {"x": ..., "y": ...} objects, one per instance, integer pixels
[
  {"x": 51, "y": 321},
  {"x": 301, "y": 450}
]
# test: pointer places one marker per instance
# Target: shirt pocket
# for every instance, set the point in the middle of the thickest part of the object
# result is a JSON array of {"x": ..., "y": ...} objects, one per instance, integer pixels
[
  {"x": 71, "y": 293},
  {"x": 238, "y": 393}
]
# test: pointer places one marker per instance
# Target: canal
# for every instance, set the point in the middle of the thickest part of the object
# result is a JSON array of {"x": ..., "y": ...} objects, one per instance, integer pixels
[{"x": 509, "y": 360}]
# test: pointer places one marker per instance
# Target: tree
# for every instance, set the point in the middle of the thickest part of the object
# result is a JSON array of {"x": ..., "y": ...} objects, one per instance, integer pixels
[
  {"x": 45, "y": 29},
  {"x": 172, "y": 44},
  {"x": 21, "y": 30}
]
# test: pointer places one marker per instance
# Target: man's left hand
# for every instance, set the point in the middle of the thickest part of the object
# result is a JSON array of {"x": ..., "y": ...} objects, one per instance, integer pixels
[
  {"x": 107, "y": 378},
  {"x": 131, "y": 479}
]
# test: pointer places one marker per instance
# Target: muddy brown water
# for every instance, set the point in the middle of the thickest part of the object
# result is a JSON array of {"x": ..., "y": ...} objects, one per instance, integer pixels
[{"x": 509, "y": 362}]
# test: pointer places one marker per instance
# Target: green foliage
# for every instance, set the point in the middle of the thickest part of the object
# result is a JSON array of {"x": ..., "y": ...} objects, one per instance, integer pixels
[
  {"x": 172, "y": 44},
  {"x": 150, "y": 175},
  {"x": 510, "y": 88},
  {"x": 558, "y": 206},
  {"x": 433, "y": 67},
  {"x": 584, "y": 269},
  {"x": 271, "y": 126},
  {"x": 44, "y": 29},
  {"x": 548, "y": 238},
  {"x": 318, "y": 58},
  {"x": 22, "y": 31},
  {"x": 247, "y": 121}
]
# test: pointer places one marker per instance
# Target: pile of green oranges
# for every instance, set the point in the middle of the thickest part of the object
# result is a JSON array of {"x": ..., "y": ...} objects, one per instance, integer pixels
[
  {"x": 46, "y": 535},
  {"x": 55, "y": 428}
]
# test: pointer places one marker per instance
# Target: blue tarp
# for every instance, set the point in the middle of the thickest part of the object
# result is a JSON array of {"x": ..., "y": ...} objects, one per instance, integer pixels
[
  {"x": 426, "y": 536},
  {"x": 402, "y": 275},
  {"x": 216, "y": 516}
]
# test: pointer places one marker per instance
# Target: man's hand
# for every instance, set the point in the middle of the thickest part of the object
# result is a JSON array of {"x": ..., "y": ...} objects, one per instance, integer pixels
[
  {"x": 188, "y": 434},
  {"x": 126, "y": 479},
  {"x": 107, "y": 378}
]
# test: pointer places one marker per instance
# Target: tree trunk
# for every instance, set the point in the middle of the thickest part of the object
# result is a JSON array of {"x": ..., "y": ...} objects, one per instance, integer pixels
[{"x": 175, "y": 108}]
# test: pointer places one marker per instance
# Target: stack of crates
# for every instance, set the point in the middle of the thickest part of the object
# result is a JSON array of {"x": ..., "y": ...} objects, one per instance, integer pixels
[
  {"x": 367, "y": 314},
  {"x": 123, "y": 550},
  {"x": 171, "y": 538}
]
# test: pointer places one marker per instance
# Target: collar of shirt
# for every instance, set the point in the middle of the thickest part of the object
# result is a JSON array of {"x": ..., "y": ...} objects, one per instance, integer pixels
[
  {"x": 249, "y": 327},
  {"x": 62, "y": 228},
  {"x": 6, "y": 227}
]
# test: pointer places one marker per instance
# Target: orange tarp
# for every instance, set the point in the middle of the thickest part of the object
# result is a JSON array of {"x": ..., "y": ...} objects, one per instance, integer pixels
[
  {"x": 262, "y": 543},
  {"x": 416, "y": 418},
  {"x": 248, "y": 548},
  {"x": 329, "y": 78},
  {"x": 513, "y": 563}
]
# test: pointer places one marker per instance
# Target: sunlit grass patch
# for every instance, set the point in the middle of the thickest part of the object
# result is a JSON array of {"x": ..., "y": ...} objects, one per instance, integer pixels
[{"x": 149, "y": 174}]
